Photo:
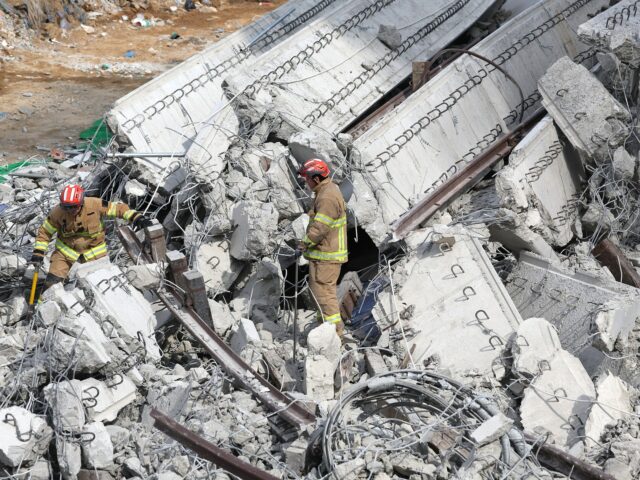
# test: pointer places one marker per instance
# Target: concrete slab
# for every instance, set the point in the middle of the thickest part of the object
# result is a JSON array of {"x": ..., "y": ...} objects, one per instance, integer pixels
[
  {"x": 408, "y": 152},
  {"x": 330, "y": 72},
  {"x": 576, "y": 303},
  {"x": 591, "y": 118},
  {"x": 166, "y": 112},
  {"x": 110, "y": 397},
  {"x": 467, "y": 303},
  {"x": 543, "y": 176}
]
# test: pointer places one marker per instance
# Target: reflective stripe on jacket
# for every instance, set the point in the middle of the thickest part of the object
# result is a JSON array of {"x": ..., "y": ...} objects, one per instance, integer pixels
[
  {"x": 81, "y": 234},
  {"x": 326, "y": 237}
]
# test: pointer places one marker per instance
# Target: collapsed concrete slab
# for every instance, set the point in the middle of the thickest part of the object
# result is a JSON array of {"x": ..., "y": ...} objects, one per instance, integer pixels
[
  {"x": 468, "y": 101},
  {"x": 544, "y": 176},
  {"x": 583, "y": 109},
  {"x": 166, "y": 114},
  {"x": 585, "y": 309},
  {"x": 332, "y": 71},
  {"x": 126, "y": 307},
  {"x": 613, "y": 403},
  {"x": 467, "y": 303},
  {"x": 615, "y": 30},
  {"x": 24, "y": 437}
]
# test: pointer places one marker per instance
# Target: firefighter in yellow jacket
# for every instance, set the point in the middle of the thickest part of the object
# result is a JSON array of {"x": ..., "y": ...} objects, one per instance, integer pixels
[
  {"x": 78, "y": 223},
  {"x": 325, "y": 242}
]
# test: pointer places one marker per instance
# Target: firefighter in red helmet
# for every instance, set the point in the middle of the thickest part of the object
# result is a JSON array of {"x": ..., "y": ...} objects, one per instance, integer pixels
[
  {"x": 325, "y": 242},
  {"x": 78, "y": 225}
]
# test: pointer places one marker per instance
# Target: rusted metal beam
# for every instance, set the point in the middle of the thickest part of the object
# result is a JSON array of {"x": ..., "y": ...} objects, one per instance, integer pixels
[
  {"x": 276, "y": 401},
  {"x": 560, "y": 461},
  {"x": 208, "y": 450},
  {"x": 609, "y": 255},
  {"x": 472, "y": 173}
]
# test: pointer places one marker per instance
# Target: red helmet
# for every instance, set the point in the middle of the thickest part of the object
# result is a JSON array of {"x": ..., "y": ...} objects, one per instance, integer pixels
[
  {"x": 314, "y": 167},
  {"x": 72, "y": 196}
]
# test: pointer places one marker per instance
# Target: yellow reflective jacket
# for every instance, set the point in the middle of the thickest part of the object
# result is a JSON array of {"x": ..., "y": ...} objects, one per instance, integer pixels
[
  {"x": 326, "y": 237},
  {"x": 82, "y": 233}
]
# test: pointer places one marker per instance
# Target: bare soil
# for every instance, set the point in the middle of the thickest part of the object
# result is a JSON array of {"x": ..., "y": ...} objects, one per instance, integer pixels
[{"x": 58, "y": 87}]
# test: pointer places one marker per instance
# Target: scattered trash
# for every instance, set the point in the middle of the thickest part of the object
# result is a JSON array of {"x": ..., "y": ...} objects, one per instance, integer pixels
[
  {"x": 140, "y": 21},
  {"x": 27, "y": 94},
  {"x": 57, "y": 154},
  {"x": 189, "y": 5},
  {"x": 3, "y": 116},
  {"x": 129, "y": 54},
  {"x": 174, "y": 36},
  {"x": 87, "y": 29}
]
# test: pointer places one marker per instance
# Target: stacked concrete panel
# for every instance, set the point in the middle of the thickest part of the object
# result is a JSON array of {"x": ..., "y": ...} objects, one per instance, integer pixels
[
  {"x": 453, "y": 118},
  {"x": 328, "y": 74}
]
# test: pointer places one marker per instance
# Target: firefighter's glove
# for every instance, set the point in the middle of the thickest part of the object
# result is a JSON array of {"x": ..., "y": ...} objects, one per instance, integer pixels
[
  {"x": 141, "y": 222},
  {"x": 36, "y": 259},
  {"x": 300, "y": 249}
]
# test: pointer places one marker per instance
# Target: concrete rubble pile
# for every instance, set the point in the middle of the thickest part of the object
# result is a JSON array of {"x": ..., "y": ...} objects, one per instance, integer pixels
[{"x": 491, "y": 332}]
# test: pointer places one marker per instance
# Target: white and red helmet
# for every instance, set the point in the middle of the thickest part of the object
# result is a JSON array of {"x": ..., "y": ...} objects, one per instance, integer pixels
[
  {"x": 314, "y": 167},
  {"x": 72, "y": 196}
]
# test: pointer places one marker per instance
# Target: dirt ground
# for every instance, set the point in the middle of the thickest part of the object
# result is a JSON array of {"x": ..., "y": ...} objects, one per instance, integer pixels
[{"x": 58, "y": 87}]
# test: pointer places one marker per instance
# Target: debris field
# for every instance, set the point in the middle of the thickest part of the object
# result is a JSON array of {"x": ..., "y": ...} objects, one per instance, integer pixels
[{"x": 490, "y": 161}]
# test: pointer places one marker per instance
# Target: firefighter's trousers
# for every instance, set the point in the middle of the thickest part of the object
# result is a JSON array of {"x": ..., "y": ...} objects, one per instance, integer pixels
[{"x": 323, "y": 282}]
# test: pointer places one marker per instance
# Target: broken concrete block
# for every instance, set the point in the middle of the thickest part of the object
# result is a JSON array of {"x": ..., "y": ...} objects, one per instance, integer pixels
[
  {"x": 583, "y": 109},
  {"x": 613, "y": 403},
  {"x": 295, "y": 455},
  {"x": 97, "y": 453},
  {"x": 66, "y": 402},
  {"x": 255, "y": 226},
  {"x": 597, "y": 217},
  {"x": 374, "y": 363},
  {"x": 259, "y": 299},
  {"x": 133, "y": 467},
  {"x": 119, "y": 436},
  {"x": 624, "y": 165},
  {"x": 316, "y": 143},
  {"x": 324, "y": 340},
  {"x": 170, "y": 399},
  {"x": 390, "y": 36},
  {"x": 536, "y": 341},
  {"x": 219, "y": 269},
  {"x": 24, "y": 437},
  {"x": 246, "y": 334},
  {"x": 6, "y": 193},
  {"x": 222, "y": 317},
  {"x": 135, "y": 189},
  {"x": 134, "y": 318},
  {"x": 492, "y": 429},
  {"x": 41, "y": 470},
  {"x": 615, "y": 30},
  {"x": 49, "y": 313},
  {"x": 278, "y": 185},
  {"x": 145, "y": 276},
  {"x": 11, "y": 263},
  {"x": 109, "y": 397},
  {"x": 69, "y": 458},
  {"x": 559, "y": 399},
  {"x": 318, "y": 378},
  {"x": 167, "y": 179}
]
